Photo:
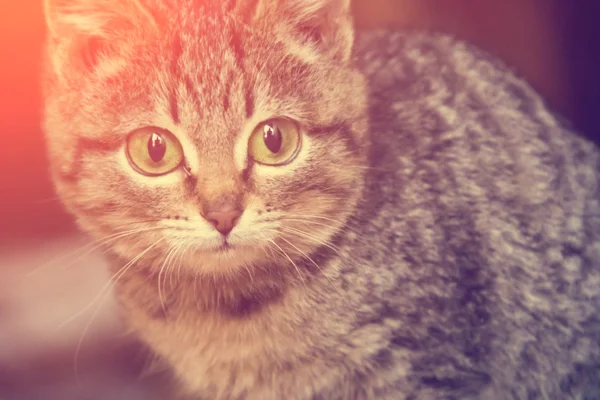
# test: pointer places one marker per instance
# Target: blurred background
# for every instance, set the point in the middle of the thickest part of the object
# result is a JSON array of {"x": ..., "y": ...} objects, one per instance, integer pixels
[{"x": 45, "y": 293}]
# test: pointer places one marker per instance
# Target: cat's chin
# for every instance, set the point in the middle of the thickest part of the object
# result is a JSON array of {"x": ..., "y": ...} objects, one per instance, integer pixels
[
  {"x": 224, "y": 258},
  {"x": 225, "y": 246}
]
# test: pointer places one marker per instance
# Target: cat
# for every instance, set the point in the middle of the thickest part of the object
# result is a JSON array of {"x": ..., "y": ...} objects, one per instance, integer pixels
[{"x": 295, "y": 210}]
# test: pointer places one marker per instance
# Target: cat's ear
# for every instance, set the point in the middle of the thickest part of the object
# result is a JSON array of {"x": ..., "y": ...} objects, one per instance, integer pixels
[
  {"x": 99, "y": 18},
  {"x": 325, "y": 26},
  {"x": 92, "y": 28}
]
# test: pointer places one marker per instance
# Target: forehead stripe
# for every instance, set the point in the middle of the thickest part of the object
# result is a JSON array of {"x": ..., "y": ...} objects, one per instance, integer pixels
[
  {"x": 240, "y": 57},
  {"x": 175, "y": 56}
]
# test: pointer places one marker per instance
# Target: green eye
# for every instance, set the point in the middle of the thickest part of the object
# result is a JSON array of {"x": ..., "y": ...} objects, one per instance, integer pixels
[
  {"x": 275, "y": 142},
  {"x": 154, "y": 151}
]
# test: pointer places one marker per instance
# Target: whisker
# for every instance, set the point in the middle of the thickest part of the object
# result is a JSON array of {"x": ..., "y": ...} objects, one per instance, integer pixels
[
  {"x": 166, "y": 262},
  {"x": 309, "y": 258},
  {"x": 196, "y": 275},
  {"x": 96, "y": 244},
  {"x": 359, "y": 236},
  {"x": 171, "y": 264},
  {"x": 310, "y": 217},
  {"x": 247, "y": 268},
  {"x": 181, "y": 258},
  {"x": 313, "y": 238},
  {"x": 292, "y": 261},
  {"x": 336, "y": 288},
  {"x": 268, "y": 249},
  {"x": 112, "y": 281},
  {"x": 105, "y": 287}
]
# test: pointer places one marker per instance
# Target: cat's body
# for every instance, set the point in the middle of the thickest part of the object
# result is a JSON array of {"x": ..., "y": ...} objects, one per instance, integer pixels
[{"x": 468, "y": 269}]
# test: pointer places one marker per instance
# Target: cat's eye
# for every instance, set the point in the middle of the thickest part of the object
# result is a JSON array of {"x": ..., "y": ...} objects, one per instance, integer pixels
[
  {"x": 275, "y": 142},
  {"x": 154, "y": 151}
]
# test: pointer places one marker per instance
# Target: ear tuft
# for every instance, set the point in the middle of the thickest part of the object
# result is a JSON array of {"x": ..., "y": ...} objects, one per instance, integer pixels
[
  {"x": 326, "y": 25},
  {"x": 90, "y": 50},
  {"x": 98, "y": 18},
  {"x": 307, "y": 10},
  {"x": 84, "y": 32}
]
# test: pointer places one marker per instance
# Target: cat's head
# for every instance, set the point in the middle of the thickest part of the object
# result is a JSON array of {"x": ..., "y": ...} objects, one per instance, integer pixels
[{"x": 232, "y": 132}]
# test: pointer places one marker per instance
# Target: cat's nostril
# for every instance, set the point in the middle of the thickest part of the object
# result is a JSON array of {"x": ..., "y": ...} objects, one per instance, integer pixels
[{"x": 223, "y": 221}]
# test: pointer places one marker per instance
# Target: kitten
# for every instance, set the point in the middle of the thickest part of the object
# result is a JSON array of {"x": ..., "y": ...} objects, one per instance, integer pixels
[{"x": 296, "y": 213}]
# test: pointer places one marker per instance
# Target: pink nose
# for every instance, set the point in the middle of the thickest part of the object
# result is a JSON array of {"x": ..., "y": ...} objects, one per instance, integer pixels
[{"x": 223, "y": 221}]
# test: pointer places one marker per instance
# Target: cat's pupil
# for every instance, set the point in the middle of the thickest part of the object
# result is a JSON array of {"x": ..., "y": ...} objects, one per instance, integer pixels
[
  {"x": 272, "y": 138},
  {"x": 157, "y": 147}
]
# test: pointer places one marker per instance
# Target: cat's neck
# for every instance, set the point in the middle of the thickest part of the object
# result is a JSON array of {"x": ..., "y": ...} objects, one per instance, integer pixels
[{"x": 238, "y": 296}]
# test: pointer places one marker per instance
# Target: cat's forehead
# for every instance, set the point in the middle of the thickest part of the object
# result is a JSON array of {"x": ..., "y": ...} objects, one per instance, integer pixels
[
  {"x": 208, "y": 74},
  {"x": 213, "y": 84},
  {"x": 211, "y": 89}
]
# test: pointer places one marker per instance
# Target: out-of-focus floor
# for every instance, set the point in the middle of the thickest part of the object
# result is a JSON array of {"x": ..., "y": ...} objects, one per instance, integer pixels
[{"x": 61, "y": 337}]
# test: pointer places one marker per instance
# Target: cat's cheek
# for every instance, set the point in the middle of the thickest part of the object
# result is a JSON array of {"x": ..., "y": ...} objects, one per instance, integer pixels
[{"x": 254, "y": 225}]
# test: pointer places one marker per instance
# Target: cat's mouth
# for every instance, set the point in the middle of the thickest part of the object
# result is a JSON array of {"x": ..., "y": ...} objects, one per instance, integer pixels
[{"x": 224, "y": 247}]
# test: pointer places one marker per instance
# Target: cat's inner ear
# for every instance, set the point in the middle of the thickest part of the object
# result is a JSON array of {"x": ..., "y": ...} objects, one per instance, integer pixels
[
  {"x": 326, "y": 26},
  {"x": 92, "y": 28}
]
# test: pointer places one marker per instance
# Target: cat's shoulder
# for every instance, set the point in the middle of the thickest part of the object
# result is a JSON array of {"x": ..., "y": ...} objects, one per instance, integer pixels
[
  {"x": 438, "y": 67},
  {"x": 412, "y": 74},
  {"x": 421, "y": 52},
  {"x": 433, "y": 97}
]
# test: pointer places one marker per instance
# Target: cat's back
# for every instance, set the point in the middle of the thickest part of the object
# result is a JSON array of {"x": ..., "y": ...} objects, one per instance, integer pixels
[{"x": 485, "y": 208}]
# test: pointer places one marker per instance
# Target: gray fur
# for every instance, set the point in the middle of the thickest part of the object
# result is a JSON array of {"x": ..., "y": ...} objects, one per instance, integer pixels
[{"x": 484, "y": 227}]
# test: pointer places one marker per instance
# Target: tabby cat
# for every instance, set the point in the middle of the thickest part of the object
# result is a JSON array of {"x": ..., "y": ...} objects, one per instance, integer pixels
[{"x": 295, "y": 211}]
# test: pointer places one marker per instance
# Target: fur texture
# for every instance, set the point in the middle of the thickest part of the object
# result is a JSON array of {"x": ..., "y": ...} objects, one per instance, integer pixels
[{"x": 438, "y": 235}]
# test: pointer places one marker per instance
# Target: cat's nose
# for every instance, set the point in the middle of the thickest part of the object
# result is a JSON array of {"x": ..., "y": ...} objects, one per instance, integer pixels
[{"x": 223, "y": 219}]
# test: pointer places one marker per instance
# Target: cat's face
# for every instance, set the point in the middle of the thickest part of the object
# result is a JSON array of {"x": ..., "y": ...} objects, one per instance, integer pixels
[{"x": 217, "y": 137}]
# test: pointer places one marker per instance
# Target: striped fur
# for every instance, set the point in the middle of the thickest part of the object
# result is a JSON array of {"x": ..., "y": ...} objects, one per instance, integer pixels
[{"x": 437, "y": 236}]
